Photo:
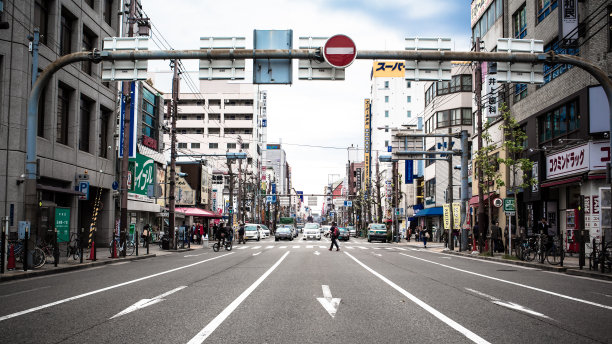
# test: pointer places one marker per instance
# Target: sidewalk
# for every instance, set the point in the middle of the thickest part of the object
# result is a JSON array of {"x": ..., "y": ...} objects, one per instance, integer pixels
[
  {"x": 570, "y": 263},
  {"x": 102, "y": 258}
]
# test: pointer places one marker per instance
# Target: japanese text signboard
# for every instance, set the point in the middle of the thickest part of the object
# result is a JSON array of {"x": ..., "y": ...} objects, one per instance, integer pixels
[
  {"x": 62, "y": 224},
  {"x": 142, "y": 169},
  {"x": 389, "y": 69},
  {"x": 568, "y": 162},
  {"x": 367, "y": 143}
]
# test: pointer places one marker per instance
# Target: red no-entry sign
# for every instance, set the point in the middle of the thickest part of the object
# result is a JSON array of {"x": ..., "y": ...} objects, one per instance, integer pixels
[{"x": 339, "y": 51}]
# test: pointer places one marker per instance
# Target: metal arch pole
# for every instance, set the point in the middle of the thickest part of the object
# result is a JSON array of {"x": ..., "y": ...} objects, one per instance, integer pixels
[{"x": 464, "y": 187}]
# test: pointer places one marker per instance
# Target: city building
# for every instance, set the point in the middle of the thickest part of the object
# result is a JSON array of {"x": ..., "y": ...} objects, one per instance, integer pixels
[
  {"x": 76, "y": 118},
  {"x": 564, "y": 117},
  {"x": 448, "y": 110}
]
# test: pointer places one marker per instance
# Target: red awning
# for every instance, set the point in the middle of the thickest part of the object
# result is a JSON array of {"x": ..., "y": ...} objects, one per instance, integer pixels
[
  {"x": 197, "y": 212},
  {"x": 474, "y": 199},
  {"x": 561, "y": 182}
]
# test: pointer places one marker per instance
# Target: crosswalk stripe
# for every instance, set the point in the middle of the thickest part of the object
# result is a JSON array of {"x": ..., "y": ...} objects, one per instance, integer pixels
[
  {"x": 296, "y": 246},
  {"x": 255, "y": 247},
  {"x": 321, "y": 246},
  {"x": 270, "y": 246},
  {"x": 403, "y": 249},
  {"x": 363, "y": 248},
  {"x": 242, "y": 248},
  {"x": 309, "y": 246},
  {"x": 283, "y": 247},
  {"x": 389, "y": 248},
  {"x": 351, "y": 247}
]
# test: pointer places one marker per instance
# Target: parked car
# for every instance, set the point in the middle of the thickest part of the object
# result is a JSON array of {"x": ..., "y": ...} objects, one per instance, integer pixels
[
  {"x": 352, "y": 231},
  {"x": 312, "y": 231},
  {"x": 252, "y": 232},
  {"x": 377, "y": 231},
  {"x": 343, "y": 234},
  {"x": 283, "y": 233},
  {"x": 265, "y": 230}
]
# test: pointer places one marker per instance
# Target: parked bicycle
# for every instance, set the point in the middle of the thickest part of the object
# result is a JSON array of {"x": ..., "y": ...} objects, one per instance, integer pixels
[
  {"x": 598, "y": 257},
  {"x": 74, "y": 247},
  {"x": 128, "y": 246},
  {"x": 555, "y": 253},
  {"x": 37, "y": 258}
]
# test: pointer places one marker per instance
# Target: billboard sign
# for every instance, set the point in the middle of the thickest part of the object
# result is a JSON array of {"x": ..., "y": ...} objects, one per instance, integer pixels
[
  {"x": 367, "y": 142},
  {"x": 133, "y": 122}
]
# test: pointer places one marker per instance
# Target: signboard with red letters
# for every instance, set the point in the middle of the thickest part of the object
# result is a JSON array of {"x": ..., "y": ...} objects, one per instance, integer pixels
[{"x": 592, "y": 156}]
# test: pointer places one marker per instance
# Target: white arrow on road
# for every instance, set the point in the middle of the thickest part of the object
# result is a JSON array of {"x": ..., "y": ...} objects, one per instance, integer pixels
[
  {"x": 317, "y": 253},
  {"x": 330, "y": 304},
  {"x": 146, "y": 302}
]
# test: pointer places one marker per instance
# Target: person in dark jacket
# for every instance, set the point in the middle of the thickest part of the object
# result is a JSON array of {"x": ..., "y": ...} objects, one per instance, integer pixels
[
  {"x": 496, "y": 236},
  {"x": 334, "y": 232},
  {"x": 241, "y": 234}
]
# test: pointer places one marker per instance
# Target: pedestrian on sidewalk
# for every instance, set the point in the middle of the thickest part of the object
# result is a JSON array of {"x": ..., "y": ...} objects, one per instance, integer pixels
[
  {"x": 334, "y": 232},
  {"x": 426, "y": 236},
  {"x": 241, "y": 234},
  {"x": 496, "y": 237}
]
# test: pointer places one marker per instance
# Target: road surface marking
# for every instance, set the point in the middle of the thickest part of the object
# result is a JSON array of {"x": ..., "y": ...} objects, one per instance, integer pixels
[
  {"x": 414, "y": 249},
  {"x": 581, "y": 277},
  {"x": 24, "y": 291},
  {"x": 388, "y": 248},
  {"x": 283, "y": 247},
  {"x": 147, "y": 302},
  {"x": 194, "y": 255},
  {"x": 242, "y": 248},
  {"x": 508, "y": 304},
  {"x": 377, "y": 254},
  {"x": 402, "y": 249},
  {"x": 486, "y": 261},
  {"x": 30, "y": 310},
  {"x": 309, "y": 246},
  {"x": 255, "y": 247},
  {"x": 296, "y": 246},
  {"x": 256, "y": 253},
  {"x": 317, "y": 253},
  {"x": 350, "y": 247},
  {"x": 450, "y": 322},
  {"x": 330, "y": 304},
  {"x": 271, "y": 246},
  {"x": 218, "y": 320},
  {"x": 514, "y": 283},
  {"x": 120, "y": 263},
  {"x": 363, "y": 248}
]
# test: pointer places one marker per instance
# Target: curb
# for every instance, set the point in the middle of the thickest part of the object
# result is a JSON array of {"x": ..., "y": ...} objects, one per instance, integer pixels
[
  {"x": 566, "y": 270},
  {"x": 37, "y": 273}
]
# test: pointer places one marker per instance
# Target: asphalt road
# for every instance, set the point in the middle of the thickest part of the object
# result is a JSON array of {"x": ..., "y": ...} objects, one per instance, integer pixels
[{"x": 299, "y": 292}]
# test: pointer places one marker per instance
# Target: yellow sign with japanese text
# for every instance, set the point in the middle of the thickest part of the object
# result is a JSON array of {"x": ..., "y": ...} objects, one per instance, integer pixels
[
  {"x": 446, "y": 209},
  {"x": 456, "y": 215},
  {"x": 389, "y": 69}
]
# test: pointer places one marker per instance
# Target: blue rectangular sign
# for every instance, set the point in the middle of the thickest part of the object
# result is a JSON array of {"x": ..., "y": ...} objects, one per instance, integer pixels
[
  {"x": 300, "y": 195},
  {"x": 272, "y": 71},
  {"x": 409, "y": 173},
  {"x": 273, "y": 188}
]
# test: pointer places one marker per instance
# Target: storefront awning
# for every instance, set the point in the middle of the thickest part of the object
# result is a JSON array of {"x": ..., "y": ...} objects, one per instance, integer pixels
[
  {"x": 59, "y": 189},
  {"x": 435, "y": 211},
  {"x": 197, "y": 212},
  {"x": 474, "y": 199},
  {"x": 143, "y": 206},
  {"x": 560, "y": 182}
]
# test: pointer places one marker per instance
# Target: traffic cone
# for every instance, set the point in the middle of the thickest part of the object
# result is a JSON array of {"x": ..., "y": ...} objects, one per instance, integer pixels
[
  {"x": 92, "y": 251},
  {"x": 11, "y": 259},
  {"x": 114, "y": 249}
]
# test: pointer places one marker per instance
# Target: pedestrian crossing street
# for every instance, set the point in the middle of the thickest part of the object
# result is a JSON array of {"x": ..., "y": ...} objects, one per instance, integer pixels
[{"x": 318, "y": 246}]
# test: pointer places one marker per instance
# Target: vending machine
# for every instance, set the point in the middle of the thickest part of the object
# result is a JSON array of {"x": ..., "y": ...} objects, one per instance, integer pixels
[{"x": 572, "y": 225}]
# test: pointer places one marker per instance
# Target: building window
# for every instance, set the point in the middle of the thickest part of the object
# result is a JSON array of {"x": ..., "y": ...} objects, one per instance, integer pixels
[
  {"x": 386, "y": 113},
  {"x": 488, "y": 19},
  {"x": 408, "y": 113},
  {"x": 180, "y": 145},
  {"x": 408, "y": 84},
  {"x": 544, "y": 8},
  {"x": 85, "y": 123},
  {"x": 198, "y": 131},
  {"x": 199, "y": 118},
  {"x": 386, "y": 84},
  {"x": 458, "y": 83},
  {"x": 66, "y": 30},
  {"x": 150, "y": 108},
  {"x": 214, "y": 131},
  {"x": 520, "y": 92},
  {"x": 231, "y": 145},
  {"x": 105, "y": 116},
  {"x": 386, "y": 128},
  {"x": 41, "y": 19},
  {"x": 63, "y": 107},
  {"x": 553, "y": 71},
  {"x": 386, "y": 144},
  {"x": 108, "y": 11},
  {"x": 559, "y": 122},
  {"x": 430, "y": 93},
  {"x": 386, "y": 99},
  {"x": 89, "y": 43},
  {"x": 213, "y": 145},
  {"x": 245, "y": 146},
  {"x": 408, "y": 99},
  {"x": 195, "y": 145},
  {"x": 519, "y": 22},
  {"x": 430, "y": 189},
  {"x": 452, "y": 117}
]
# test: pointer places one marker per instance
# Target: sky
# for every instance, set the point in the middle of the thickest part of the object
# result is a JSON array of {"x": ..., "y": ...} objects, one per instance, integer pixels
[{"x": 326, "y": 114}]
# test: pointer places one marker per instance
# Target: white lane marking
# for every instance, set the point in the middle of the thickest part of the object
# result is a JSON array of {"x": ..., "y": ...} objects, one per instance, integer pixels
[
  {"x": 256, "y": 253},
  {"x": 514, "y": 283},
  {"x": 450, "y": 322},
  {"x": 119, "y": 263},
  {"x": 350, "y": 247},
  {"x": 30, "y": 310},
  {"x": 321, "y": 246},
  {"x": 242, "y": 248},
  {"x": 486, "y": 261},
  {"x": 377, "y": 254},
  {"x": 317, "y": 253},
  {"x": 377, "y": 248},
  {"x": 581, "y": 277},
  {"x": 445, "y": 257},
  {"x": 330, "y": 304},
  {"x": 296, "y": 246},
  {"x": 147, "y": 302},
  {"x": 388, "y": 248},
  {"x": 194, "y": 255},
  {"x": 308, "y": 246},
  {"x": 401, "y": 249},
  {"x": 508, "y": 304},
  {"x": 414, "y": 249},
  {"x": 255, "y": 247},
  {"x": 218, "y": 320},
  {"x": 271, "y": 246},
  {"x": 24, "y": 291},
  {"x": 363, "y": 248}
]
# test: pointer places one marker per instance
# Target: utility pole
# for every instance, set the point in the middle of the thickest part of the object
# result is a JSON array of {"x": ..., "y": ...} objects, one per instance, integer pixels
[
  {"x": 240, "y": 205},
  {"x": 464, "y": 187},
  {"x": 449, "y": 236},
  {"x": 174, "y": 104},
  {"x": 478, "y": 93},
  {"x": 127, "y": 87},
  {"x": 378, "y": 197},
  {"x": 395, "y": 229}
]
